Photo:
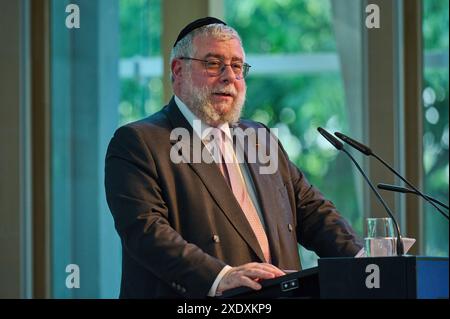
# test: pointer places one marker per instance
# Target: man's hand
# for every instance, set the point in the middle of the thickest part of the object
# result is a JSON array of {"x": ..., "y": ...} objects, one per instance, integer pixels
[{"x": 248, "y": 275}]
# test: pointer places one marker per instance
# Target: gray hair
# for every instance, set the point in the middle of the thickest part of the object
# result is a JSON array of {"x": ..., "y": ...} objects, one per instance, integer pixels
[{"x": 217, "y": 31}]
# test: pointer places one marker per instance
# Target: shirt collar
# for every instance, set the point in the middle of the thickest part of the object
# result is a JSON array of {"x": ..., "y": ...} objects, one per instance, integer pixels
[{"x": 203, "y": 130}]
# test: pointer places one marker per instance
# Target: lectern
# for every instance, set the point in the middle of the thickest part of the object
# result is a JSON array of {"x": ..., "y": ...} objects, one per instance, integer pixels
[{"x": 396, "y": 277}]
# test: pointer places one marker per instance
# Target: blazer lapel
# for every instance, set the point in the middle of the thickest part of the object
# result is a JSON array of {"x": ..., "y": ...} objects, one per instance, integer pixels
[{"x": 212, "y": 178}]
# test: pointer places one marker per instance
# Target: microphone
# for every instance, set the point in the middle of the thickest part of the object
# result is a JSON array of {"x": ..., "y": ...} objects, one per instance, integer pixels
[
  {"x": 400, "y": 189},
  {"x": 330, "y": 138},
  {"x": 367, "y": 151},
  {"x": 338, "y": 145}
]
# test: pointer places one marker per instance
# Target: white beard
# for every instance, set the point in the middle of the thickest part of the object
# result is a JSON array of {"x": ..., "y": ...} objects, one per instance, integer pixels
[{"x": 199, "y": 102}]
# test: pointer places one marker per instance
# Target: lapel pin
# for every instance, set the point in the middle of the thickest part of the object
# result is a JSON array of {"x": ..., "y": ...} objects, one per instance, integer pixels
[{"x": 216, "y": 239}]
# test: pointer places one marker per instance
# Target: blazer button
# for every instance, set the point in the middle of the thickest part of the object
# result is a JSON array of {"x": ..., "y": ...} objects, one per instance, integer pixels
[
  {"x": 174, "y": 285},
  {"x": 216, "y": 239},
  {"x": 178, "y": 287},
  {"x": 290, "y": 227},
  {"x": 183, "y": 290}
]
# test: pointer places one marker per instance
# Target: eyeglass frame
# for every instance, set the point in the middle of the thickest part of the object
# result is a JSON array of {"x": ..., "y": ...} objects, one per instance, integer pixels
[{"x": 245, "y": 70}]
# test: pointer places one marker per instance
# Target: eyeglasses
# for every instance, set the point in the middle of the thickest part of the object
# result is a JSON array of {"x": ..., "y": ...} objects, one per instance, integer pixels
[{"x": 215, "y": 67}]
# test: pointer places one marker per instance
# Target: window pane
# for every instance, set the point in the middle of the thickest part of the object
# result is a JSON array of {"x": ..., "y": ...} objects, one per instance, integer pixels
[
  {"x": 141, "y": 91},
  {"x": 297, "y": 58},
  {"x": 435, "y": 119},
  {"x": 84, "y": 97},
  {"x": 104, "y": 74}
]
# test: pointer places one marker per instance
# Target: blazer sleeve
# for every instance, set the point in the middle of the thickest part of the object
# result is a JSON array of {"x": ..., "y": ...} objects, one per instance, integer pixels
[
  {"x": 142, "y": 219},
  {"x": 320, "y": 227}
]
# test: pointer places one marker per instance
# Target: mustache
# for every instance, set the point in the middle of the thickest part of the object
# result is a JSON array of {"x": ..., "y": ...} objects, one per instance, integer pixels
[{"x": 225, "y": 90}]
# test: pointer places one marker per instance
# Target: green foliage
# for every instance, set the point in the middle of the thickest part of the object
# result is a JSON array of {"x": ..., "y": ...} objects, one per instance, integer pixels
[
  {"x": 298, "y": 104},
  {"x": 282, "y": 26},
  {"x": 140, "y": 33},
  {"x": 140, "y": 28},
  {"x": 436, "y": 165},
  {"x": 436, "y": 139},
  {"x": 435, "y": 24}
]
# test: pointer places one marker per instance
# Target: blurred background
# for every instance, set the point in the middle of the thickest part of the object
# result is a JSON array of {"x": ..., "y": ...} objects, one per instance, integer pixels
[{"x": 314, "y": 63}]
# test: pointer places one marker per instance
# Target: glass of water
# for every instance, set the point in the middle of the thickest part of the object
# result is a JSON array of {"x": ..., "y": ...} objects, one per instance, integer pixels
[{"x": 380, "y": 239}]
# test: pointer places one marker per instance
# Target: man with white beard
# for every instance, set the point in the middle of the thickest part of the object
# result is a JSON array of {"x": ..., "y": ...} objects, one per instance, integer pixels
[{"x": 194, "y": 229}]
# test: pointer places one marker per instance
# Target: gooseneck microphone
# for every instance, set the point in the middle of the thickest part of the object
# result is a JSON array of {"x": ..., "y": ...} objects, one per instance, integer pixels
[
  {"x": 405, "y": 190},
  {"x": 338, "y": 145},
  {"x": 367, "y": 151}
]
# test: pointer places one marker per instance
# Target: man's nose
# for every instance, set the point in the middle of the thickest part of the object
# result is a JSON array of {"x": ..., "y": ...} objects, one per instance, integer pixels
[{"x": 227, "y": 75}]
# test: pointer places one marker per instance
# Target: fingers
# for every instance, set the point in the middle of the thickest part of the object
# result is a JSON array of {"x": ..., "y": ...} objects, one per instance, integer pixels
[
  {"x": 264, "y": 267},
  {"x": 275, "y": 270},
  {"x": 255, "y": 273},
  {"x": 247, "y": 282},
  {"x": 248, "y": 275},
  {"x": 239, "y": 278}
]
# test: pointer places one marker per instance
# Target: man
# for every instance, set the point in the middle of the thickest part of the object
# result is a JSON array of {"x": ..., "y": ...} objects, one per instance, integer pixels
[{"x": 198, "y": 228}]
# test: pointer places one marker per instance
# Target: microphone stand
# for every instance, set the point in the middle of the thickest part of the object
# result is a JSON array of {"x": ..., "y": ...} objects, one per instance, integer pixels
[
  {"x": 405, "y": 190},
  {"x": 338, "y": 145},
  {"x": 367, "y": 151}
]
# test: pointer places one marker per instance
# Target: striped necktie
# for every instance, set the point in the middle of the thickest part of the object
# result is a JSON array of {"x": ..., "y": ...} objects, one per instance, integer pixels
[{"x": 230, "y": 170}]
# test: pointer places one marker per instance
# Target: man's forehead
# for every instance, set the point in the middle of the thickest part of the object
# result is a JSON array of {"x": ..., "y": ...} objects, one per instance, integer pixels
[{"x": 227, "y": 48}]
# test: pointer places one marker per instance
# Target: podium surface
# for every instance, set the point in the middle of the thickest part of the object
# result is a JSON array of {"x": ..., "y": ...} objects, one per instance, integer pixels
[{"x": 396, "y": 277}]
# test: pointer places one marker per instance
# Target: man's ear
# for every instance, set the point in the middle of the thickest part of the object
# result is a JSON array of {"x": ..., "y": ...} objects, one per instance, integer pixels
[{"x": 176, "y": 68}]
